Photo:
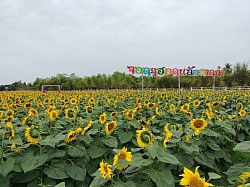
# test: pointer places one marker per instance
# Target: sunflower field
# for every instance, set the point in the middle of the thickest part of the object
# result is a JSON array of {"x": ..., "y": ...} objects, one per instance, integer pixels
[{"x": 117, "y": 138}]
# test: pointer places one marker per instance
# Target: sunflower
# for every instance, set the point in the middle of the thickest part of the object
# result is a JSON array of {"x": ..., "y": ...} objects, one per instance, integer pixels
[
  {"x": 32, "y": 134},
  {"x": 9, "y": 118},
  {"x": 157, "y": 111},
  {"x": 73, "y": 101},
  {"x": 187, "y": 138},
  {"x": 70, "y": 113},
  {"x": 71, "y": 136},
  {"x": 33, "y": 112},
  {"x": 196, "y": 103},
  {"x": 150, "y": 120},
  {"x": 209, "y": 113},
  {"x": 105, "y": 170},
  {"x": 14, "y": 147},
  {"x": 46, "y": 101},
  {"x": 138, "y": 100},
  {"x": 110, "y": 127},
  {"x": 242, "y": 113},
  {"x": 89, "y": 109},
  {"x": 103, "y": 118},
  {"x": 165, "y": 106},
  {"x": 215, "y": 104},
  {"x": 1, "y": 114},
  {"x": 53, "y": 115},
  {"x": 185, "y": 108},
  {"x": 40, "y": 105},
  {"x": 198, "y": 125},
  {"x": 169, "y": 135},
  {"x": 10, "y": 112},
  {"x": 66, "y": 100},
  {"x": 50, "y": 108},
  {"x": 91, "y": 101},
  {"x": 191, "y": 179},
  {"x": 122, "y": 155},
  {"x": 11, "y": 130},
  {"x": 25, "y": 119},
  {"x": 130, "y": 115},
  {"x": 189, "y": 114},
  {"x": 27, "y": 105},
  {"x": 90, "y": 123},
  {"x": 144, "y": 137},
  {"x": 142, "y": 122},
  {"x": 14, "y": 106},
  {"x": 172, "y": 107},
  {"x": 113, "y": 114},
  {"x": 244, "y": 176},
  {"x": 151, "y": 105}
]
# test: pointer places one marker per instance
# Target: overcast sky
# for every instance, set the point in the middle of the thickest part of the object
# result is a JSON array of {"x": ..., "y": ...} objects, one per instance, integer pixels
[{"x": 41, "y": 38}]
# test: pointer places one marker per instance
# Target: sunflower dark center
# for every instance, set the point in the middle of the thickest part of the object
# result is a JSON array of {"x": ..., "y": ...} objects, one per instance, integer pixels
[
  {"x": 106, "y": 169},
  {"x": 122, "y": 156},
  {"x": 143, "y": 122},
  {"x": 151, "y": 105},
  {"x": 72, "y": 135},
  {"x": 194, "y": 182},
  {"x": 198, "y": 123},
  {"x": 111, "y": 126},
  {"x": 102, "y": 118},
  {"x": 54, "y": 115}
]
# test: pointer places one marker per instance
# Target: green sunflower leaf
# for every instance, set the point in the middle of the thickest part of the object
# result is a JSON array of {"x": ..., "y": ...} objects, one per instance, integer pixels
[
  {"x": 111, "y": 142},
  {"x": 7, "y": 166},
  {"x": 77, "y": 151},
  {"x": 56, "y": 171},
  {"x": 5, "y": 181},
  {"x": 98, "y": 181},
  {"x": 30, "y": 162},
  {"x": 50, "y": 141},
  {"x": 127, "y": 184},
  {"x": 95, "y": 151},
  {"x": 17, "y": 140},
  {"x": 124, "y": 137},
  {"x": 138, "y": 160},
  {"x": 76, "y": 172},
  {"x": 166, "y": 157},
  {"x": 153, "y": 149},
  {"x": 213, "y": 175},
  {"x": 61, "y": 184},
  {"x": 25, "y": 177},
  {"x": 163, "y": 178},
  {"x": 243, "y": 147}
]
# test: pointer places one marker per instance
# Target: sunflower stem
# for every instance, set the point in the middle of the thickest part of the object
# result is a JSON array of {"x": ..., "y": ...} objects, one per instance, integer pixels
[{"x": 1, "y": 156}]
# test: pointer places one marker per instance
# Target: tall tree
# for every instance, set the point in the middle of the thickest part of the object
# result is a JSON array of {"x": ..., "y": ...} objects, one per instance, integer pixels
[
  {"x": 241, "y": 74},
  {"x": 228, "y": 78}
]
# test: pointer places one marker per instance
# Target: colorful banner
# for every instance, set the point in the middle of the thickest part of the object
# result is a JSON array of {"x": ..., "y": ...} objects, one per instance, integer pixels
[{"x": 190, "y": 71}]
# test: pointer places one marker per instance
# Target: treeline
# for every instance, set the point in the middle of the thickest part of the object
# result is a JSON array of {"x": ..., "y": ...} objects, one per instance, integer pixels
[{"x": 237, "y": 75}]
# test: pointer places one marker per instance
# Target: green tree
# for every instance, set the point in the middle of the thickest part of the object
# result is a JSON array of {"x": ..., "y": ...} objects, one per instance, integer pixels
[
  {"x": 228, "y": 78},
  {"x": 241, "y": 74}
]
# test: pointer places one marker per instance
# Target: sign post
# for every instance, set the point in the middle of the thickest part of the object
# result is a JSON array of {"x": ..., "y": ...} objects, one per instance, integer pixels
[
  {"x": 179, "y": 85},
  {"x": 142, "y": 88},
  {"x": 213, "y": 83}
]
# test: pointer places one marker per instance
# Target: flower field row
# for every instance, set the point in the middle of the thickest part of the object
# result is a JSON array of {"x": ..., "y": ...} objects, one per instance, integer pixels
[{"x": 117, "y": 138}]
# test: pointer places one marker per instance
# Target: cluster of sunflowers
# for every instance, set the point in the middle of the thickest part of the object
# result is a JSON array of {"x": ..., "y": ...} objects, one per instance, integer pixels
[{"x": 72, "y": 137}]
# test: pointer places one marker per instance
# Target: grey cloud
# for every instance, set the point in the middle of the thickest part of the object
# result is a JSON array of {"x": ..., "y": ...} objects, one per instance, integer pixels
[{"x": 44, "y": 37}]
